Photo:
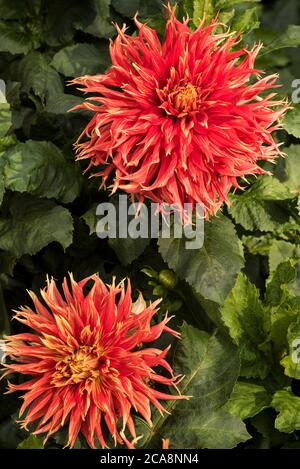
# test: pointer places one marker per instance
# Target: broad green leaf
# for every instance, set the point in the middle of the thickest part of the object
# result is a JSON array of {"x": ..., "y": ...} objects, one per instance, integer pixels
[
  {"x": 5, "y": 119},
  {"x": 291, "y": 123},
  {"x": 247, "y": 322},
  {"x": 32, "y": 442},
  {"x": 247, "y": 399},
  {"x": 14, "y": 38},
  {"x": 80, "y": 59},
  {"x": 212, "y": 269},
  {"x": 288, "y": 406},
  {"x": 277, "y": 291},
  {"x": 258, "y": 244},
  {"x": 61, "y": 104},
  {"x": 210, "y": 366},
  {"x": 256, "y": 208},
  {"x": 33, "y": 223},
  {"x": 100, "y": 25},
  {"x": 41, "y": 169},
  {"x": 34, "y": 73},
  {"x": 290, "y": 38}
]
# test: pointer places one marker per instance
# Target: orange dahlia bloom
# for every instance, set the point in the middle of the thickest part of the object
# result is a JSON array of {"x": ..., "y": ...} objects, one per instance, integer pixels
[
  {"x": 87, "y": 365},
  {"x": 177, "y": 122}
]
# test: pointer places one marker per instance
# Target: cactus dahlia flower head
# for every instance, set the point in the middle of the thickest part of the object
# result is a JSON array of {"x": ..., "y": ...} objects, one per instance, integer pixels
[
  {"x": 86, "y": 361},
  {"x": 177, "y": 122}
]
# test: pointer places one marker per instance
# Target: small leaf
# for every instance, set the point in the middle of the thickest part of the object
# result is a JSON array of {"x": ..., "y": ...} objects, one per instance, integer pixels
[
  {"x": 288, "y": 406},
  {"x": 5, "y": 119},
  {"x": 247, "y": 322},
  {"x": 247, "y": 400},
  {"x": 32, "y": 442}
]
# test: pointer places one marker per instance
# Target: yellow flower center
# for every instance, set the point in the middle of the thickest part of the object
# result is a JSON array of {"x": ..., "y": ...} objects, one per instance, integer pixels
[
  {"x": 82, "y": 364},
  {"x": 185, "y": 97}
]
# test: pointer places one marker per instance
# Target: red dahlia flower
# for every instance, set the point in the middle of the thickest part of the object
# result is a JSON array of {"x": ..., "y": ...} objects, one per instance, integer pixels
[
  {"x": 86, "y": 362},
  {"x": 179, "y": 121}
]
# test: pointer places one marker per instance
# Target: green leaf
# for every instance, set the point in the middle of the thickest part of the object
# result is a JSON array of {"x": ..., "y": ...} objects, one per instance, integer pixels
[
  {"x": 212, "y": 269},
  {"x": 32, "y": 442},
  {"x": 247, "y": 322},
  {"x": 284, "y": 306},
  {"x": 291, "y": 122},
  {"x": 202, "y": 8},
  {"x": 62, "y": 103},
  {"x": 34, "y": 223},
  {"x": 5, "y": 119},
  {"x": 256, "y": 208},
  {"x": 61, "y": 18},
  {"x": 291, "y": 362},
  {"x": 197, "y": 9},
  {"x": 277, "y": 291},
  {"x": 128, "y": 8},
  {"x": 14, "y": 38},
  {"x": 246, "y": 21},
  {"x": 280, "y": 251},
  {"x": 247, "y": 400},
  {"x": 210, "y": 366},
  {"x": 128, "y": 249},
  {"x": 13, "y": 10},
  {"x": 288, "y": 171},
  {"x": 100, "y": 26},
  {"x": 290, "y": 38},
  {"x": 41, "y": 169},
  {"x": 35, "y": 74},
  {"x": 80, "y": 59},
  {"x": 288, "y": 407},
  {"x": 91, "y": 218}
]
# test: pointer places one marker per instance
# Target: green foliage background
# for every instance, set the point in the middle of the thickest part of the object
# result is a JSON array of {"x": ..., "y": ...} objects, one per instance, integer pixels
[{"x": 236, "y": 300}]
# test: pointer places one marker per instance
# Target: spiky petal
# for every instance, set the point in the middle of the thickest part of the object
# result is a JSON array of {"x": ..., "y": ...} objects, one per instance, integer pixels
[{"x": 178, "y": 122}]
